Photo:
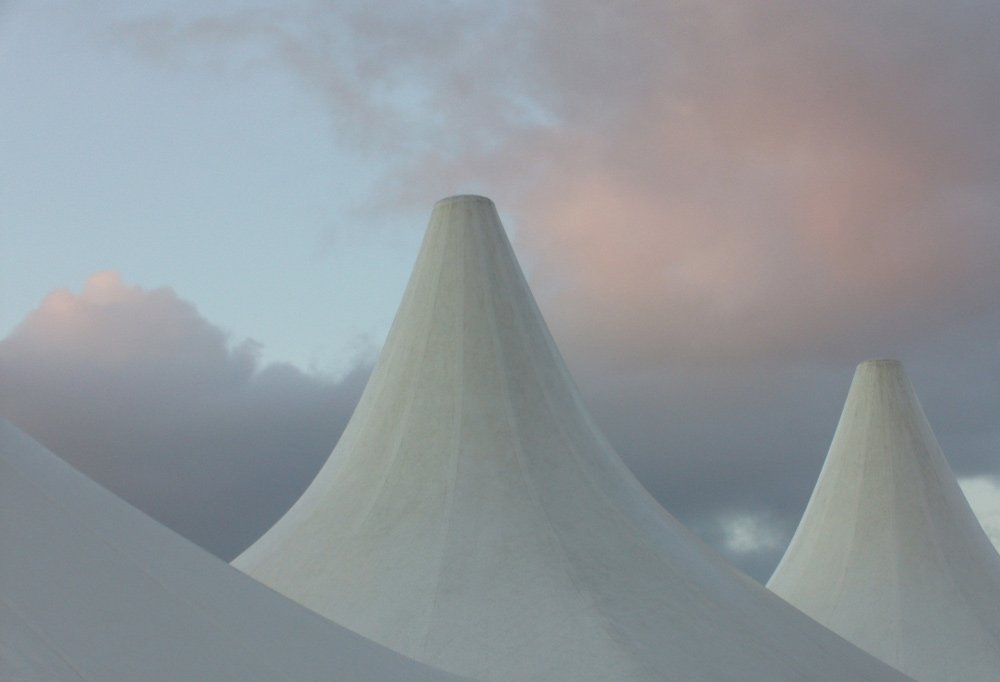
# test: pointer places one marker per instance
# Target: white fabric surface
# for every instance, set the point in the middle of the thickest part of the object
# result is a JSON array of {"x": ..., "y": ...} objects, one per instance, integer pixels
[{"x": 474, "y": 517}]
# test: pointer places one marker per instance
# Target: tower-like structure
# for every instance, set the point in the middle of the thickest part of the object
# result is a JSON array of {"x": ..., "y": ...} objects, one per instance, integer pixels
[
  {"x": 472, "y": 515},
  {"x": 889, "y": 554}
]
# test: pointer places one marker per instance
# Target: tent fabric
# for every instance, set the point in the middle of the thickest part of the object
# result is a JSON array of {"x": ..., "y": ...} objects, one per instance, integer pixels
[
  {"x": 93, "y": 590},
  {"x": 888, "y": 553},
  {"x": 473, "y": 516}
]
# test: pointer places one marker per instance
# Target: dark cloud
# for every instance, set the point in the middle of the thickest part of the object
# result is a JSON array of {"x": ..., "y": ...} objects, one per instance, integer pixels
[
  {"x": 731, "y": 451},
  {"x": 736, "y": 448},
  {"x": 138, "y": 391}
]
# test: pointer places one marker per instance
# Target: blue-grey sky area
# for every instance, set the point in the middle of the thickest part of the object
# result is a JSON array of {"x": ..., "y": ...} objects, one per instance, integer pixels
[{"x": 208, "y": 213}]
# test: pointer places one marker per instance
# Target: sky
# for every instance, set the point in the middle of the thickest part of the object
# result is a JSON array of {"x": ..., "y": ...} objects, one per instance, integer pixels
[{"x": 209, "y": 211}]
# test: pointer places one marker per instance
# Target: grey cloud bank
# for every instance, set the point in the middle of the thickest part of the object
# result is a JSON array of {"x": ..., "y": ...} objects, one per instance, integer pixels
[{"x": 138, "y": 391}]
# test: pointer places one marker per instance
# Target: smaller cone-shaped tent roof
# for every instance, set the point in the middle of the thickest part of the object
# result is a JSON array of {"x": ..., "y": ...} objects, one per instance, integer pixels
[
  {"x": 93, "y": 590},
  {"x": 472, "y": 515},
  {"x": 889, "y": 554}
]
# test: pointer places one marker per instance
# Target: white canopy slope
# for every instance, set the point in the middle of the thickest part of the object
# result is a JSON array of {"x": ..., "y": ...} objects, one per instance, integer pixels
[
  {"x": 93, "y": 590},
  {"x": 473, "y": 516},
  {"x": 888, "y": 553}
]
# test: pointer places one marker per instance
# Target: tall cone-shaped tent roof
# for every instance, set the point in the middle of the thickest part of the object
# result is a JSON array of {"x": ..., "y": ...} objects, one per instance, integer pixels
[
  {"x": 888, "y": 553},
  {"x": 472, "y": 515},
  {"x": 93, "y": 590}
]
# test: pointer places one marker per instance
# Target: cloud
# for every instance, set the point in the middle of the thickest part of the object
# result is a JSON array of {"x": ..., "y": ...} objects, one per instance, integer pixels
[
  {"x": 137, "y": 390},
  {"x": 782, "y": 179},
  {"x": 694, "y": 179},
  {"x": 407, "y": 81},
  {"x": 724, "y": 447},
  {"x": 748, "y": 534},
  {"x": 725, "y": 206},
  {"x": 721, "y": 443},
  {"x": 143, "y": 394}
]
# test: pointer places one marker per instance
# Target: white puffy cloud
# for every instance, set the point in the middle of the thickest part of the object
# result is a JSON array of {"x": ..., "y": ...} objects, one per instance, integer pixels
[{"x": 983, "y": 493}]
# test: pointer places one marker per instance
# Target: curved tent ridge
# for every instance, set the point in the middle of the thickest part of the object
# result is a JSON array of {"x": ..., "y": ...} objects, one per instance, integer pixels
[
  {"x": 93, "y": 590},
  {"x": 888, "y": 552}
]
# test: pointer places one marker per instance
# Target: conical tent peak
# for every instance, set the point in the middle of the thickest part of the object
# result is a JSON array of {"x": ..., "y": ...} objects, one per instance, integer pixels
[
  {"x": 880, "y": 370},
  {"x": 464, "y": 199},
  {"x": 888, "y": 553},
  {"x": 473, "y": 516},
  {"x": 882, "y": 387},
  {"x": 465, "y": 212},
  {"x": 882, "y": 363}
]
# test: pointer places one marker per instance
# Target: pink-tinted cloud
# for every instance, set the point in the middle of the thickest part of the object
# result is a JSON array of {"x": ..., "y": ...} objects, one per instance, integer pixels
[
  {"x": 111, "y": 325},
  {"x": 698, "y": 179},
  {"x": 772, "y": 177}
]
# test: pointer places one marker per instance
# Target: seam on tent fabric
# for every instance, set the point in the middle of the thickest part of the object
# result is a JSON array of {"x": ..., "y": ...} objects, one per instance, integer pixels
[
  {"x": 407, "y": 411},
  {"x": 48, "y": 642},
  {"x": 897, "y": 607},
  {"x": 588, "y": 600},
  {"x": 838, "y": 588},
  {"x": 456, "y": 457},
  {"x": 603, "y": 622}
]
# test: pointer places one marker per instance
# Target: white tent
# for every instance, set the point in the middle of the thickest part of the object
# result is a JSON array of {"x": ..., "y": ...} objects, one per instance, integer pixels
[
  {"x": 473, "y": 516},
  {"x": 888, "y": 553},
  {"x": 92, "y": 590}
]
